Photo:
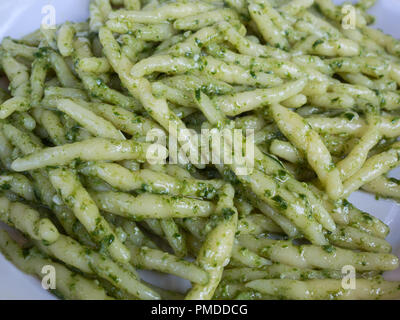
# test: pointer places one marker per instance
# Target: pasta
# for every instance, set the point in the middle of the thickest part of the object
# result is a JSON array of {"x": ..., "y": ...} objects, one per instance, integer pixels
[{"x": 215, "y": 141}]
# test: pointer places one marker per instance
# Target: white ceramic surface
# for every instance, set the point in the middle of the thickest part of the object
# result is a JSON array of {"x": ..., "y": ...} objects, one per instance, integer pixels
[{"x": 19, "y": 17}]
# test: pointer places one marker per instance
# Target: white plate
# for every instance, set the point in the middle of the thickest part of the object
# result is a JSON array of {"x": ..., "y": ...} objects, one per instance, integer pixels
[{"x": 19, "y": 17}]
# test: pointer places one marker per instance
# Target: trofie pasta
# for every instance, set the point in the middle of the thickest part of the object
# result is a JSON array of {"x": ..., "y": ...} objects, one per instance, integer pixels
[{"x": 216, "y": 141}]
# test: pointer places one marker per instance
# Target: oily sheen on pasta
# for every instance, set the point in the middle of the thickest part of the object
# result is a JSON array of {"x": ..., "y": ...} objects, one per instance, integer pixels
[{"x": 314, "y": 96}]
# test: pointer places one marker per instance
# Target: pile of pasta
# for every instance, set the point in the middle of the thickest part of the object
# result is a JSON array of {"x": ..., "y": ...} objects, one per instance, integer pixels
[{"x": 322, "y": 99}]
